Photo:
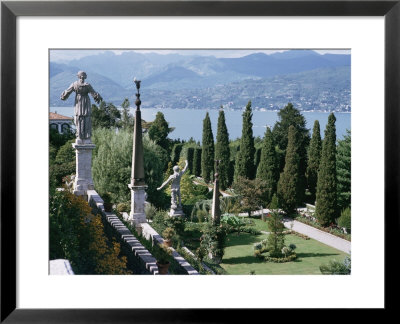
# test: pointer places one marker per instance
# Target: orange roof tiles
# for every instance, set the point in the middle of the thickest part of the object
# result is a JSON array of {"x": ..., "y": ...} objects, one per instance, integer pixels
[{"x": 58, "y": 116}]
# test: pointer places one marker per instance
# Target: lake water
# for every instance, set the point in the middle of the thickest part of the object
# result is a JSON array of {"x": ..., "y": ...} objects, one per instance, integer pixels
[{"x": 189, "y": 122}]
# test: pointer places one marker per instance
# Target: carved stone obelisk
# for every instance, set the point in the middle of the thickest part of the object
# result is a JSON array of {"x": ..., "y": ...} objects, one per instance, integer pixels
[
  {"x": 215, "y": 210},
  {"x": 137, "y": 186},
  {"x": 83, "y": 144}
]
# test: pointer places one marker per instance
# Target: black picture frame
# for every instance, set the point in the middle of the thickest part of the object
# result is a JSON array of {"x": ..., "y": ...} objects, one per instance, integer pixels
[{"x": 10, "y": 10}]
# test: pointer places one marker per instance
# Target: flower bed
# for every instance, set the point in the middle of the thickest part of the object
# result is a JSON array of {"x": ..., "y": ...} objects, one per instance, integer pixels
[{"x": 303, "y": 236}]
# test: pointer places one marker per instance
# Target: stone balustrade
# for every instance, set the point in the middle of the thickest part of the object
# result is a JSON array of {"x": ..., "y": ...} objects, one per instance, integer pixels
[
  {"x": 138, "y": 256},
  {"x": 150, "y": 234}
]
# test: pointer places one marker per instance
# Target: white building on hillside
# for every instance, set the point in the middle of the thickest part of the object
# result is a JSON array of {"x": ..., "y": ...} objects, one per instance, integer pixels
[{"x": 61, "y": 123}]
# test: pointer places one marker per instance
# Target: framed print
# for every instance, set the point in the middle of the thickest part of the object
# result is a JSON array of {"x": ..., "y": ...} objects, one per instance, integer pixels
[{"x": 34, "y": 31}]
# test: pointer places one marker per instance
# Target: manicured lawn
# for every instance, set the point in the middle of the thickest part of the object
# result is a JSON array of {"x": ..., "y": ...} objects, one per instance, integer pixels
[
  {"x": 259, "y": 224},
  {"x": 239, "y": 256}
]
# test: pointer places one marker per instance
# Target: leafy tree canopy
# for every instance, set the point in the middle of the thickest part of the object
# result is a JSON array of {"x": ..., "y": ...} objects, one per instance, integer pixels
[
  {"x": 105, "y": 116},
  {"x": 159, "y": 130}
]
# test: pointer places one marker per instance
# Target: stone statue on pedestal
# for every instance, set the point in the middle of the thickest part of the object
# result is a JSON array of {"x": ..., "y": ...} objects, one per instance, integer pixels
[
  {"x": 82, "y": 107},
  {"x": 175, "y": 179},
  {"x": 83, "y": 145}
]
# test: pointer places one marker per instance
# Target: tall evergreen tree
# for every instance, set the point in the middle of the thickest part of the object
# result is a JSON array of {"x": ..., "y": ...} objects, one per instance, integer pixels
[
  {"x": 207, "y": 154},
  {"x": 197, "y": 162},
  {"x": 289, "y": 185},
  {"x": 268, "y": 169},
  {"x": 244, "y": 164},
  {"x": 276, "y": 238},
  {"x": 222, "y": 151},
  {"x": 290, "y": 116},
  {"x": 343, "y": 170},
  {"x": 159, "y": 130},
  {"x": 127, "y": 120},
  {"x": 314, "y": 158},
  {"x": 326, "y": 205}
]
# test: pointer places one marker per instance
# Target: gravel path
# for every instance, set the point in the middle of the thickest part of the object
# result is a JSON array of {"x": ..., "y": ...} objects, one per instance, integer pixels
[
  {"x": 321, "y": 236},
  {"x": 314, "y": 233}
]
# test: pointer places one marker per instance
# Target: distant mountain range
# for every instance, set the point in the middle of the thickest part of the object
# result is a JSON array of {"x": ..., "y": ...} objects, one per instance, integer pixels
[{"x": 309, "y": 80}]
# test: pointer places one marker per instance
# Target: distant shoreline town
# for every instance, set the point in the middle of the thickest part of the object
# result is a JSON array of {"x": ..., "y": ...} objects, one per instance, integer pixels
[{"x": 305, "y": 78}]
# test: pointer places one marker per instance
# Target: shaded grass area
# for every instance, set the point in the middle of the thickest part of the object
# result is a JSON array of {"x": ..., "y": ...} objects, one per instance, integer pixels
[
  {"x": 239, "y": 256},
  {"x": 258, "y": 224}
]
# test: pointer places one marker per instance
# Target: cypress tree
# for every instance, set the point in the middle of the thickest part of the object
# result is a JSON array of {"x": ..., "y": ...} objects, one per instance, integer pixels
[
  {"x": 314, "y": 158},
  {"x": 276, "y": 238},
  {"x": 176, "y": 151},
  {"x": 207, "y": 154},
  {"x": 343, "y": 170},
  {"x": 257, "y": 158},
  {"x": 222, "y": 151},
  {"x": 326, "y": 205},
  {"x": 268, "y": 169},
  {"x": 291, "y": 116},
  {"x": 289, "y": 186},
  {"x": 189, "y": 158},
  {"x": 244, "y": 164},
  {"x": 197, "y": 161}
]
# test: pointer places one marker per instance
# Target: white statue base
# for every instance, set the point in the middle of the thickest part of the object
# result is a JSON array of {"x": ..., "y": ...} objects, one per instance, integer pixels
[
  {"x": 137, "y": 215},
  {"x": 83, "y": 179},
  {"x": 178, "y": 212}
]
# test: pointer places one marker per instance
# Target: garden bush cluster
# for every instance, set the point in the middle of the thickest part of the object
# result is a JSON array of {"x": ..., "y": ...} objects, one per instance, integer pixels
[
  {"x": 78, "y": 235},
  {"x": 287, "y": 253}
]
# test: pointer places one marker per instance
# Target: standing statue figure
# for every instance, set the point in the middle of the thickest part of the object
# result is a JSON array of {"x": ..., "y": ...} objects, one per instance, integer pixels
[
  {"x": 82, "y": 106},
  {"x": 175, "y": 179}
]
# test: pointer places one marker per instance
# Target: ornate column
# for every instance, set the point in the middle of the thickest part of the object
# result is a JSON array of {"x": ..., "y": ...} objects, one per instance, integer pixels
[{"x": 137, "y": 185}]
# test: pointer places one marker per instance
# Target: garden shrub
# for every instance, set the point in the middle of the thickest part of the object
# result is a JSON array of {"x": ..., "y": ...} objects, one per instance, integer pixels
[
  {"x": 276, "y": 239},
  {"x": 78, "y": 235},
  {"x": 233, "y": 221},
  {"x": 201, "y": 215},
  {"x": 289, "y": 258},
  {"x": 345, "y": 219},
  {"x": 58, "y": 171},
  {"x": 124, "y": 207},
  {"x": 150, "y": 211},
  {"x": 213, "y": 240},
  {"x": 287, "y": 253},
  {"x": 66, "y": 153},
  {"x": 112, "y": 163},
  {"x": 57, "y": 140},
  {"x": 335, "y": 267}
]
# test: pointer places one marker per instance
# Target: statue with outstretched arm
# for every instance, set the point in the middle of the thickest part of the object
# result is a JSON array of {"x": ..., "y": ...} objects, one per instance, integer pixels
[
  {"x": 82, "y": 111},
  {"x": 175, "y": 180}
]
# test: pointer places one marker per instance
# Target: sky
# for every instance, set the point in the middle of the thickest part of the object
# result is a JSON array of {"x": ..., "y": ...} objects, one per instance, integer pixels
[{"x": 68, "y": 55}]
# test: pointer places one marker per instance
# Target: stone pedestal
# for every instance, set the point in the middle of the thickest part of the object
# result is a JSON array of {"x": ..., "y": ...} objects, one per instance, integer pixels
[
  {"x": 176, "y": 212},
  {"x": 83, "y": 179},
  {"x": 137, "y": 215}
]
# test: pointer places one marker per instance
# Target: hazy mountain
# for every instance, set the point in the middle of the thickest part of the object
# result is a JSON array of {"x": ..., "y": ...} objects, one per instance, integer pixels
[
  {"x": 322, "y": 89},
  {"x": 62, "y": 76},
  {"x": 228, "y": 79}
]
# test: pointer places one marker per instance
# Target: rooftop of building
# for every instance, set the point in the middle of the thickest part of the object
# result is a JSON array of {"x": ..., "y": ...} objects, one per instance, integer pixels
[{"x": 58, "y": 116}]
